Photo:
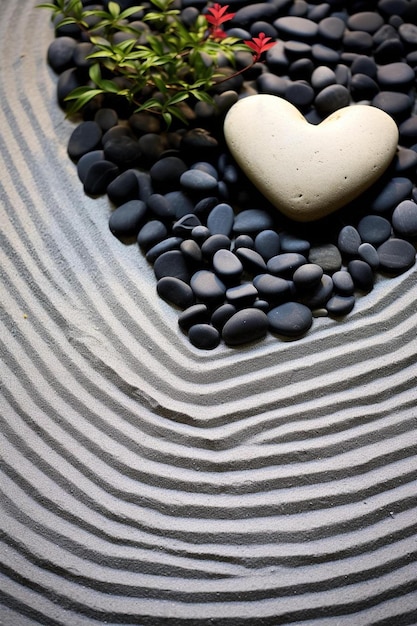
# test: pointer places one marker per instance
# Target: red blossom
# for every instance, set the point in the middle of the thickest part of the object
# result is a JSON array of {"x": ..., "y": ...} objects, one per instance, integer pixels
[
  {"x": 218, "y": 15},
  {"x": 259, "y": 45}
]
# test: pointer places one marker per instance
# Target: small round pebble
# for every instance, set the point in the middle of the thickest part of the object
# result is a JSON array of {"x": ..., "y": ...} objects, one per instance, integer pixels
[
  {"x": 84, "y": 138},
  {"x": 291, "y": 319},
  {"x": 404, "y": 219},
  {"x": 343, "y": 283},
  {"x": 207, "y": 287},
  {"x": 172, "y": 263},
  {"x": 175, "y": 291},
  {"x": 367, "y": 252},
  {"x": 396, "y": 255},
  {"x": 285, "y": 264},
  {"x": 340, "y": 305},
  {"x": 245, "y": 326},
  {"x": 227, "y": 266},
  {"x": 220, "y": 219},
  {"x": 267, "y": 243},
  {"x": 374, "y": 229},
  {"x": 126, "y": 220},
  {"x": 327, "y": 256},
  {"x": 349, "y": 241},
  {"x": 362, "y": 275},
  {"x": 307, "y": 276},
  {"x": 204, "y": 336}
]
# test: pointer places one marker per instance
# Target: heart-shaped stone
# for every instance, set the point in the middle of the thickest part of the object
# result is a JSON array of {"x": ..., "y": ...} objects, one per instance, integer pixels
[{"x": 308, "y": 171}]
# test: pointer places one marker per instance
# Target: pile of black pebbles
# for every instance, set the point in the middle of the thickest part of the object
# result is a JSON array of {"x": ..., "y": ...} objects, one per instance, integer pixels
[{"x": 232, "y": 265}]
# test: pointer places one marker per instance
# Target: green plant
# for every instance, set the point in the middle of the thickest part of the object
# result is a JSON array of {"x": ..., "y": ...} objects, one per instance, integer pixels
[{"x": 156, "y": 63}]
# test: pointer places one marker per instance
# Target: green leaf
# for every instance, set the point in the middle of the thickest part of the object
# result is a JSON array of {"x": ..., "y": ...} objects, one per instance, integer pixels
[
  {"x": 95, "y": 73},
  {"x": 114, "y": 9},
  {"x": 167, "y": 118},
  {"x": 179, "y": 97},
  {"x": 159, "y": 83}
]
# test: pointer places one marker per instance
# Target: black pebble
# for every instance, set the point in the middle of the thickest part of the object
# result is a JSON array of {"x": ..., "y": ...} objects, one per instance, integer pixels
[
  {"x": 285, "y": 264},
  {"x": 362, "y": 275},
  {"x": 126, "y": 220},
  {"x": 208, "y": 287},
  {"x": 172, "y": 263},
  {"x": 404, "y": 219},
  {"x": 340, "y": 305},
  {"x": 175, "y": 291},
  {"x": 194, "y": 314},
  {"x": 227, "y": 266},
  {"x": 291, "y": 319},
  {"x": 220, "y": 219},
  {"x": 204, "y": 336},
  {"x": 99, "y": 176},
  {"x": 374, "y": 229},
  {"x": 245, "y": 326},
  {"x": 84, "y": 138},
  {"x": 151, "y": 233},
  {"x": 396, "y": 255},
  {"x": 349, "y": 241}
]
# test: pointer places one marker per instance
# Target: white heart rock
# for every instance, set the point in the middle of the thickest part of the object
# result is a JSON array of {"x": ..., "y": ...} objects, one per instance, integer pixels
[{"x": 307, "y": 171}]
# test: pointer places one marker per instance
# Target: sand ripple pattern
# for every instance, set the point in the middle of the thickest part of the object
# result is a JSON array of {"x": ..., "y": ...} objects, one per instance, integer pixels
[{"x": 145, "y": 482}]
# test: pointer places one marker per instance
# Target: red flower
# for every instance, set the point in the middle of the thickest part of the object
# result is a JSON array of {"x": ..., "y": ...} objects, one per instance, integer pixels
[
  {"x": 218, "y": 15},
  {"x": 259, "y": 45}
]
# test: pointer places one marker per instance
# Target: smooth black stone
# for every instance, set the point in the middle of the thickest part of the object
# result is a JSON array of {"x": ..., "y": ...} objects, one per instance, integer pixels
[
  {"x": 251, "y": 260},
  {"x": 166, "y": 172},
  {"x": 252, "y": 221},
  {"x": 364, "y": 65},
  {"x": 200, "y": 141},
  {"x": 343, "y": 283},
  {"x": 172, "y": 263},
  {"x": 200, "y": 234},
  {"x": 300, "y": 70},
  {"x": 307, "y": 277},
  {"x": 220, "y": 219},
  {"x": 396, "y": 190},
  {"x": 214, "y": 243},
  {"x": 84, "y": 138},
  {"x": 405, "y": 160},
  {"x": 69, "y": 80},
  {"x": 296, "y": 50},
  {"x": 245, "y": 326},
  {"x": 151, "y": 233},
  {"x": 184, "y": 226},
  {"x": 273, "y": 289},
  {"x": 392, "y": 7},
  {"x": 166, "y": 245},
  {"x": 349, "y": 241},
  {"x": 99, "y": 176},
  {"x": 285, "y": 264},
  {"x": 244, "y": 241},
  {"x": 152, "y": 147},
  {"x": 180, "y": 204},
  {"x": 207, "y": 168},
  {"x": 292, "y": 243},
  {"x": 300, "y": 94},
  {"x": 317, "y": 297},
  {"x": 331, "y": 99},
  {"x": 123, "y": 151},
  {"x": 191, "y": 252},
  {"x": 276, "y": 61},
  {"x": 398, "y": 105},
  {"x": 160, "y": 206},
  {"x": 404, "y": 219},
  {"x": 362, "y": 275},
  {"x": 204, "y": 336},
  {"x": 291, "y": 319},
  {"x": 374, "y": 229},
  {"x": 408, "y": 34},
  {"x": 296, "y": 28},
  {"x": 408, "y": 131},
  {"x": 267, "y": 243},
  {"x": 175, "y": 291},
  {"x": 272, "y": 84},
  {"x": 86, "y": 161},
  {"x": 327, "y": 256},
  {"x": 126, "y": 220},
  {"x": 331, "y": 30},
  {"x": 385, "y": 33},
  {"x": 261, "y": 26},
  {"x": 339, "y": 306},
  {"x": 299, "y": 8},
  {"x": 242, "y": 296},
  {"x": 207, "y": 287},
  {"x": 367, "y": 252},
  {"x": 230, "y": 175},
  {"x": 323, "y": 55},
  {"x": 227, "y": 266},
  {"x": 368, "y": 21},
  {"x": 196, "y": 181},
  {"x": 194, "y": 314},
  {"x": 60, "y": 53},
  {"x": 220, "y": 315},
  {"x": 391, "y": 50},
  {"x": 396, "y": 255},
  {"x": 106, "y": 119},
  {"x": 253, "y": 12},
  {"x": 362, "y": 87},
  {"x": 343, "y": 75},
  {"x": 124, "y": 187},
  {"x": 319, "y": 12},
  {"x": 358, "y": 41},
  {"x": 395, "y": 76},
  {"x": 322, "y": 77},
  {"x": 142, "y": 123},
  {"x": 115, "y": 132}
]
